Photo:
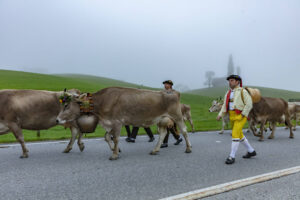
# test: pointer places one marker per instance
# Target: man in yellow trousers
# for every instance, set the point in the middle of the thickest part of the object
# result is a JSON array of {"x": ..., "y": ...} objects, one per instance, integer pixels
[{"x": 238, "y": 103}]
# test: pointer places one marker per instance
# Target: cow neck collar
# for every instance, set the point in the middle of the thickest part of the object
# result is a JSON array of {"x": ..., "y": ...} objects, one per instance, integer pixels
[{"x": 87, "y": 105}]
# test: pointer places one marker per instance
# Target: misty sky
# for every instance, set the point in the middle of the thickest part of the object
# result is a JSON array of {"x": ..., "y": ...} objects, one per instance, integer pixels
[{"x": 148, "y": 41}]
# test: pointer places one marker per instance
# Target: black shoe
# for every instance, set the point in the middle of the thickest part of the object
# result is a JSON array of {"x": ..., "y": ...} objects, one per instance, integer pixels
[
  {"x": 164, "y": 145},
  {"x": 178, "y": 141},
  {"x": 151, "y": 139},
  {"x": 249, "y": 155},
  {"x": 229, "y": 160},
  {"x": 130, "y": 140}
]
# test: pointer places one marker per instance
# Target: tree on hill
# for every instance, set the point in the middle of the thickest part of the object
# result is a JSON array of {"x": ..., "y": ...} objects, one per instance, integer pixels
[{"x": 209, "y": 77}]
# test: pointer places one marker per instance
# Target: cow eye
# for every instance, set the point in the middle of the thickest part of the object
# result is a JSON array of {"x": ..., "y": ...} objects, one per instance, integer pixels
[{"x": 65, "y": 106}]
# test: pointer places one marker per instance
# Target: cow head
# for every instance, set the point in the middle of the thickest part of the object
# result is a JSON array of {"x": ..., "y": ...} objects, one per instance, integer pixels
[
  {"x": 70, "y": 108},
  {"x": 216, "y": 105}
]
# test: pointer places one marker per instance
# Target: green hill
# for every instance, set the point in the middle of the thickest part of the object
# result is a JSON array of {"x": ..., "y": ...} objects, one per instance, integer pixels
[
  {"x": 267, "y": 92},
  {"x": 26, "y": 80}
]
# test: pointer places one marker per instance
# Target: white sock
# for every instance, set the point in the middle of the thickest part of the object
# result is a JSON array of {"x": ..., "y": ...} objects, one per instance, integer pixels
[
  {"x": 245, "y": 142},
  {"x": 234, "y": 148}
]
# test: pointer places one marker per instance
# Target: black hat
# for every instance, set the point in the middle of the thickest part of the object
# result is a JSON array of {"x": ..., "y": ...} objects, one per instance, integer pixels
[
  {"x": 168, "y": 81},
  {"x": 236, "y": 77}
]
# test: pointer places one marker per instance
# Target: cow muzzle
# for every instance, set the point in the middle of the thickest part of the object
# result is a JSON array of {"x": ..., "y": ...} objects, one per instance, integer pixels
[{"x": 60, "y": 121}]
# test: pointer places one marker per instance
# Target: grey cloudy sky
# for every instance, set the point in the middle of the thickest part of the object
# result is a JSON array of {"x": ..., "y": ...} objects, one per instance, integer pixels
[{"x": 148, "y": 41}]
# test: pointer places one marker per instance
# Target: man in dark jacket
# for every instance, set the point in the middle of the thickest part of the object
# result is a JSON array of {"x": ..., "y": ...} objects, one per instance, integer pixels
[{"x": 168, "y": 84}]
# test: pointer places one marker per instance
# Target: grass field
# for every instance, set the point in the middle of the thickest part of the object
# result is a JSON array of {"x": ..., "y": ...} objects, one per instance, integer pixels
[{"x": 203, "y": 120}]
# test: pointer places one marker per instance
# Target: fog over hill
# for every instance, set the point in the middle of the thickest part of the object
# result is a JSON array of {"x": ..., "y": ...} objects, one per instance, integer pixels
[{"x": 146, "y": 42}]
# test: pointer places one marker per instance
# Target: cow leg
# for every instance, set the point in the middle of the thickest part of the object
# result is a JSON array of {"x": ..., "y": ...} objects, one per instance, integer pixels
[
  {"x": 79, "y": 142},
  {"x": 74, "y": 133},
  {"x": 183, "y": 130},
  {"x": 162, "y": 134},
  {"x": 17, "y": 131},
  {"x": 288, "y": 122},
  {"x": 253, "y": 129},
  {"x": 223, "y": 126},
  {"x": 290, "y": 126},
  {"x": 116, "y": 133},
  {"x": 109, "y": 141},
  {"x": 295, "y": 117},
  {"x": 273, "y": 124},
  {"x": 262, "y": 128},
  {"x": 191, "y": 123},
  {"x": 249, "y": 124}
]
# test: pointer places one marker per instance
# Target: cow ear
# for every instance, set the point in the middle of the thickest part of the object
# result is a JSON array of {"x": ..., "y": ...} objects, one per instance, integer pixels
[{"x": 65, "y": 89}]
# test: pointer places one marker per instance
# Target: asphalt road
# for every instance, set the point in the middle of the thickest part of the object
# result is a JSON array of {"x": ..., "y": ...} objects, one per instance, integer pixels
[{"x": 50, "y": 174}]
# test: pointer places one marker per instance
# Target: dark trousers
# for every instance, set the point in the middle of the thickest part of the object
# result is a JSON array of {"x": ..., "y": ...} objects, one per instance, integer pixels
[
  {"x": 128, "y": 131},
  {"x": 135, "y": 131},
  {"x": 173, "y": 131}
]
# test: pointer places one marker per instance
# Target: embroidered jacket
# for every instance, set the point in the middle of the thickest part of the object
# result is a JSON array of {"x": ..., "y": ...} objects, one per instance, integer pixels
[{"x": 241, "y": 102}]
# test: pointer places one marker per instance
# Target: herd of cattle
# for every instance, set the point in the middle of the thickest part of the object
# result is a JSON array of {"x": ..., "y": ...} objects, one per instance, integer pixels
[{"x": 115, "y": 107}]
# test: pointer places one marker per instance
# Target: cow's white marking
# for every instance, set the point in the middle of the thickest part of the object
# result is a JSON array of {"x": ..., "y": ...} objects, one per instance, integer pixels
[
  {"x": 217, "y": 189},
  {"x": 61, "y": 121}
]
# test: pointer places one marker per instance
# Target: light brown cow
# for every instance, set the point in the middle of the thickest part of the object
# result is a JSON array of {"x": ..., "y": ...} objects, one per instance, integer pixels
[
  {"x": 187, "y": 116},
  {"x": 271, "y": 110},
  {"x": 294, "y": 110},
  {"x": 216, "y": 107},
  {"x": 31, "y": 110},
  {"x": 115, "y": 107}
]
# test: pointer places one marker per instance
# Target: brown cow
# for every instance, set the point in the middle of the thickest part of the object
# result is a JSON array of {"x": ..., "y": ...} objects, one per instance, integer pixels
[
  {"x": 271, "y": 110},
  {"x": 31, "y": 110},
  {"x": 115, "y": 107},
  {"x": 187, "y": 116}
]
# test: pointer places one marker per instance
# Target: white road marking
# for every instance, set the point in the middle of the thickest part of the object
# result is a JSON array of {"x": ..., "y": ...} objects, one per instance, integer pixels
[{"x": 217, "y": 189}]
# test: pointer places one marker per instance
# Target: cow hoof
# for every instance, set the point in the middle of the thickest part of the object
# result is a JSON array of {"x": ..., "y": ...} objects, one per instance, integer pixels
[
  {"x": 153, "y": 153},
  {"x": 81, "y": 147},
  {"x": 67, "y": 150},
  {"x": 261, "y": 140},
  {"x": 270, "y": 137},
  {"x": 114, "y": 157},
  {"x": 120, "y": 150},
  {"x": 292, "y": 137},
  {"x": 24, "y": 156},
  {"x": 221, "y": 132},
  {"x": 188, "y": 151}
]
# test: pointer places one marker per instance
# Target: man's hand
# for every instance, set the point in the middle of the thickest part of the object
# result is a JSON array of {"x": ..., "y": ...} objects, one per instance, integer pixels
[{"x": 219, "y": 117}]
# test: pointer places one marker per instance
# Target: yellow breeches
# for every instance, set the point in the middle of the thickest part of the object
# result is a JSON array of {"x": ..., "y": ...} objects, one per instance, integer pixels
[{"x": 237, "y": 123}]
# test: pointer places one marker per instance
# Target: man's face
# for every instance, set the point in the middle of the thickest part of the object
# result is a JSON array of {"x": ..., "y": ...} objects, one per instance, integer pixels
[
  {"x": 233, "y": 83},
  {"x": 167, "y": 86}
]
